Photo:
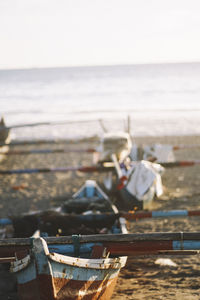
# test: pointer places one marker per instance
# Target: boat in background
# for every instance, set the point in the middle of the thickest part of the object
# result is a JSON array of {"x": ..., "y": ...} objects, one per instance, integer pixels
[
  {"x": 4, "y": 138},
  {"x": 77, "y": 271},
  {"x": 118, "y": 143}
]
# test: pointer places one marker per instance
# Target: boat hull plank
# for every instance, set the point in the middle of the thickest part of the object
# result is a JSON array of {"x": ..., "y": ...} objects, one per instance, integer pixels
[{"x": 66, "y": 289}]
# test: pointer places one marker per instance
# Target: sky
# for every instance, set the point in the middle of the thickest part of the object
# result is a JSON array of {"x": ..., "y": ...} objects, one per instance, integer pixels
[{"x": 57, "y": 33}]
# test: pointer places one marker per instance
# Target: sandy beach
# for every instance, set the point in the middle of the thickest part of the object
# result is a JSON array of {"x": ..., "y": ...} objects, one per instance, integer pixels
[{"x": 142, "y": 278}]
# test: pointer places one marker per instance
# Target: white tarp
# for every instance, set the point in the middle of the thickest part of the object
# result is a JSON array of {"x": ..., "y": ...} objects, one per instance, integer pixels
[
  {"x": 162, "y": 153},
  {"x": 144, "y": 176}
]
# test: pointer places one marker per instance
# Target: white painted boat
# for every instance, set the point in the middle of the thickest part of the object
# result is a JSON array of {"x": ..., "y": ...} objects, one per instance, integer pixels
[
  {"x": 77, "y": 271},
  {"x": 4, "y": 138}
]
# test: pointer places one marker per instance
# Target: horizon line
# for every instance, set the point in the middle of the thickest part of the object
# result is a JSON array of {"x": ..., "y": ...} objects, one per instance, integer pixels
[{"x": 99, "y": 65}]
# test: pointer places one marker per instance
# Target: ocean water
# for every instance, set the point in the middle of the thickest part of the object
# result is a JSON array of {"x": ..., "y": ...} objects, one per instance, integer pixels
[{"x": 161, "y": 99}]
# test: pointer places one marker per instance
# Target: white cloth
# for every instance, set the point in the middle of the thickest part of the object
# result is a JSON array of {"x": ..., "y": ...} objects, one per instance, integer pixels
[
  {"x": 142, "y": 176},
  {"x": 162, "y": 153}
]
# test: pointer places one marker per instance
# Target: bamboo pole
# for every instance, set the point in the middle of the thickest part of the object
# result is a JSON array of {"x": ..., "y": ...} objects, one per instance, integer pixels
[
  {"x": 132, "y": 215},
  {"x": 116, "y": 244},
  {"x": 53, "y": 141},
  {"x": 84, "y": 169},
  {"x": 182, "y": 146},
  {"x": 96, "y": 168},
  {"x": 118, "y": 238},
  {"x": 129, "y": 124},
  {"x": 4, "y": 260},
  {"x": 182, "y": 163},
  {"x": 33, "y": 142},
  {"x": 46, "y": 123},
  {"x": 48, "y": 151},
  {"x": 102, "y": 125}
]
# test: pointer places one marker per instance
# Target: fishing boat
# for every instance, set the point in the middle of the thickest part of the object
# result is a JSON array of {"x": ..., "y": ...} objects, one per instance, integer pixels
[
  {"x": 113, "y": 142},
  {"x": 4, "y": 138},
  {"x": 77, "y": 271}
]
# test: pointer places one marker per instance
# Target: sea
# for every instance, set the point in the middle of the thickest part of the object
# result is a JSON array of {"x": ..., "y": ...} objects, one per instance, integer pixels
[{"x": 78, "y": 102}]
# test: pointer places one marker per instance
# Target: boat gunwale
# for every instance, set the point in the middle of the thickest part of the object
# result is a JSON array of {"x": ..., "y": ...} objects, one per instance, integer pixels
[{"x": 90, "y": 263}]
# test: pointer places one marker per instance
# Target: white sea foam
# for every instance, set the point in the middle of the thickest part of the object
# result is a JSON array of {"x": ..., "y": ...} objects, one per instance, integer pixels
[{"x": 160, "y": 99}]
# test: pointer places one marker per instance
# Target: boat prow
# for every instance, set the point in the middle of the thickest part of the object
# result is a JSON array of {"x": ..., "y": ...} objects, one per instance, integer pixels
[
  {"x": 52, "y": 276},
  {"x": 114, "y": 142},
  {"x": 78, "y": 270}
]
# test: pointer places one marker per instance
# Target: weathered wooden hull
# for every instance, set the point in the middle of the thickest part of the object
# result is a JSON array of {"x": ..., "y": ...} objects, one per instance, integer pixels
[
  {"x": 49, "y": 276},
  {"x": 74, "y": 290},
  {"x": 116, "y": 142},
  {"x": 64, "y": 288},
  {"x": 4, "y": 138},
  {"x": 79, "y": 271},
  {"x": 3, "y": 149}
]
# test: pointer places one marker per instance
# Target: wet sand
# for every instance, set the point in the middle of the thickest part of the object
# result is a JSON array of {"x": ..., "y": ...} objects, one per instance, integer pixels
[{"x": 142, "y": 278}]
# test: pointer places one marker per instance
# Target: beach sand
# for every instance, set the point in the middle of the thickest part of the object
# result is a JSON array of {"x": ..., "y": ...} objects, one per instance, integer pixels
[{"x": 142, "y": 278}]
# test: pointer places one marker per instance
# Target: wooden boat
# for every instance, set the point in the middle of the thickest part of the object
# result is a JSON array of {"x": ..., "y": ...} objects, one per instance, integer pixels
[
  {"x": 4, "y": 138},
  {"x": 113, "y": 142},
  {"x": 46, "y": 267},
  {"x": 79, "y": 271}
]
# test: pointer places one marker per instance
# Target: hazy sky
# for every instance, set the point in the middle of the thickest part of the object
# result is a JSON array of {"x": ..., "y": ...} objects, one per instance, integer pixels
[{"x": 40, "y": 33}]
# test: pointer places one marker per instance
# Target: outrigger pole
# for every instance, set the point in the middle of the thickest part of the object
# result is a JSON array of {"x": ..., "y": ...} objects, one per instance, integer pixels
[
  {"x": 89, "y": 169},
  {"x": 41, "y": 142},
  {"x": 48, "y": 151},
  {"x": 132, "y": 215},
  {"x": 85, "y": 169},
  {"x": 115, "y": 244},
  {"x": 46, "y": 123},
  {"x": 138, "y": 215},
  {"x": 181, "y": 163},
  {"x": 68, "y": 141}
]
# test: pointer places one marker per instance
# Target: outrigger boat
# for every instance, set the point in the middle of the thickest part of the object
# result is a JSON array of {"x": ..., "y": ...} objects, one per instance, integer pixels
[
  {"x": 77, "y": 271},
  {"x": 138, "y": 182},
  {"x": 4, "y": 138},
  {"x": 113, "y": 142},
  {"x": 84, "y": 266},
  {"x": 49, "y": 276}
]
